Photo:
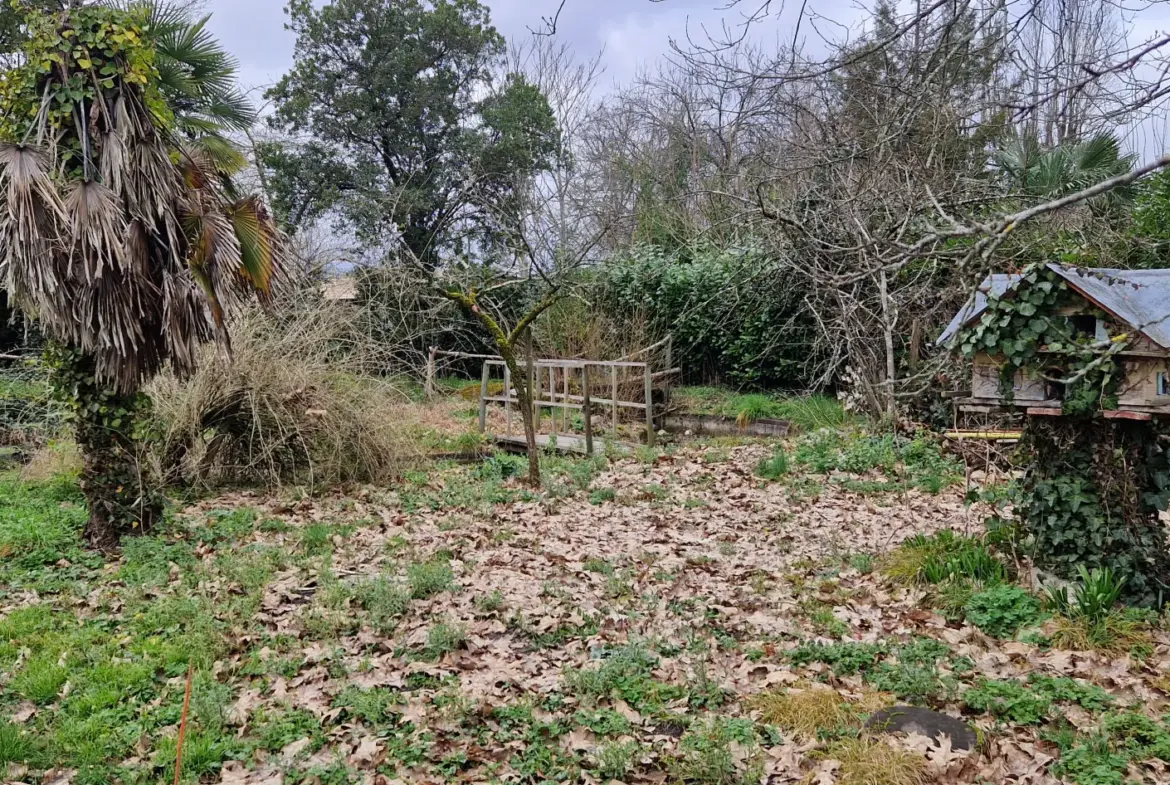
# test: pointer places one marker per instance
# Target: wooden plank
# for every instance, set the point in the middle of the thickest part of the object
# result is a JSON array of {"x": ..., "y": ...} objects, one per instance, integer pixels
[
  {"x": 1043, "y": 411},
  {"x": 1128, "y": 415},
  {"x": 564, "y": 443},
  {"x": 614, "y": 399}
]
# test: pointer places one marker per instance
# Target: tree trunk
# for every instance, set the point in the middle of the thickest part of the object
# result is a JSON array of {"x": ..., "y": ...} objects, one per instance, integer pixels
[
  {"x": 524, "y": 400},
  {"x": 121, "y": 500},
  {"x": 889, "y": 319}
]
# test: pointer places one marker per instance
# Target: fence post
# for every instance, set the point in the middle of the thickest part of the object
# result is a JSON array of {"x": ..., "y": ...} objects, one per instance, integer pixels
[
  {"x": 565, "y": 411},
  {"x": 429, "y": 382},
  {"x": 613, "y": 399},
  {"x": 483, "y": 394},
  {"x": 587, "y": 410},
  {"x": 651, "y": 436}
]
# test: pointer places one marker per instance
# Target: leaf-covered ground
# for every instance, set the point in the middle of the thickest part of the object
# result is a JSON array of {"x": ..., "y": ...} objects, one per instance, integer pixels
[{"x": 665, "y": 617}]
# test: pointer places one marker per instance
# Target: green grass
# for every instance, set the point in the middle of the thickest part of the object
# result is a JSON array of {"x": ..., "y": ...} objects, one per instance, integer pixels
[
  {"x": 774, "y": 466},
  {"x": 806, "y": 413},
  {"x": 907, "y": 462},
  {"x": 626, "y": 672},
  {"x": 426, "y": 579},
  {"x": 40, "y": 525}
]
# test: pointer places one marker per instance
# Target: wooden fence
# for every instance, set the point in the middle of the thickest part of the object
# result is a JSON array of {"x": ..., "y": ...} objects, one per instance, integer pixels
[{"x": 590, "y": 387}]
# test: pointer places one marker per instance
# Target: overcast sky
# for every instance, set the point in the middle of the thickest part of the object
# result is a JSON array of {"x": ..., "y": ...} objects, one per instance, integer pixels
[{"x": 631, "y": 33}]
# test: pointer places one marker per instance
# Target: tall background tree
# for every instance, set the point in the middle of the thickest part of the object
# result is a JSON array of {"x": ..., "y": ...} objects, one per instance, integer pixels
[
  {"x": 120, "y": 230},
  {"x": 402, "y": 123}
]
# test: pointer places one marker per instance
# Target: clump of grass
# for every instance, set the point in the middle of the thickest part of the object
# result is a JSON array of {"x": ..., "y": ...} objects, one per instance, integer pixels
[
  {"x": 317, "y": 538},
  {"x": 490, "y": 603},
  {"x": 943, "y": 556},
  {"x": 774, "y": 466},
  {"x": 1088, "y": 618},
  {"x": 864, "y": 563},
  {"x": 1115, "y": 635},
  {"x": 805, "y": 712},
  {"x": 750, "y": 408},
  {"x": 385, "y": 601},
  {"x": 444, "y": 638},
  {"x": 866, "y": 760},
  {"x": 426, "y": 579},
  {"x": 41, "y": 680},
  {"x": 601, "y": 496},
  {"x": 813, "y": 412},
  {"x": 16, "y": 746}
]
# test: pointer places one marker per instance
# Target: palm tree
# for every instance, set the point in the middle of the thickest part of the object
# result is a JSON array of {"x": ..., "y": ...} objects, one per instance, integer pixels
[
  {"x": 1032, "y": 171},
  {"x": 120, "y": 227}
]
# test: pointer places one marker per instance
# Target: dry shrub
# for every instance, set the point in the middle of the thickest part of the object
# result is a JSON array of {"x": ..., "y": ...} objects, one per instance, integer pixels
[{"x": 300, "y": 402}]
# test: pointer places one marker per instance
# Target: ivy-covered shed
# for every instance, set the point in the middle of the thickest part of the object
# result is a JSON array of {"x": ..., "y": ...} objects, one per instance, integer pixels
[{"x": 1058, "y": 339}]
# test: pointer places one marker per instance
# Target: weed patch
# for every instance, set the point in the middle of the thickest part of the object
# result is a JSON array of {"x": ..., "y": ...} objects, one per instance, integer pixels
[
  {"x": 1002, "y": 610},
  {"x": 706, "y": 756}
]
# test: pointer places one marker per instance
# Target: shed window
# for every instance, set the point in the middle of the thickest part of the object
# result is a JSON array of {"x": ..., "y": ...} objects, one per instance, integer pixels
[{"x": 1163, "y": 383}]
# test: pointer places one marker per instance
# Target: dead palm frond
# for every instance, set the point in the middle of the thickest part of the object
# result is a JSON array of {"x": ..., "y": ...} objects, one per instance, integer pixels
[{"x": 125, "y": 233}]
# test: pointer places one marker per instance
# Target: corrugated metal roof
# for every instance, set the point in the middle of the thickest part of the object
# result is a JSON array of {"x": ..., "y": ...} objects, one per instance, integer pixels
[
  {"x": 1140, "y": 298},
  {"x": 996, "y": 284}
]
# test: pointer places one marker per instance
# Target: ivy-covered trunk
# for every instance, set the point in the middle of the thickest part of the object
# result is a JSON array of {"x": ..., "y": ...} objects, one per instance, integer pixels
[
  {"x": 107, "y": 425},
  {"x": 1092, "y": 497}
]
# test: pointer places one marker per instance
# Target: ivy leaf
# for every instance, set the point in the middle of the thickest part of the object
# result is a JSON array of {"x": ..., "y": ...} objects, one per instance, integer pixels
[{"x": 1026, "y": 309}]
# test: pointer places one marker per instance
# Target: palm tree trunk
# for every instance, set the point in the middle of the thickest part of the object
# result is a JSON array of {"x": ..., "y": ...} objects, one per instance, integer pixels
[{"x": 120, "y": 497}]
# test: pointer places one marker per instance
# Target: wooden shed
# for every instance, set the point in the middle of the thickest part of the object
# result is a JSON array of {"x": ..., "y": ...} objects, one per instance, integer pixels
[{"x": 1106, "y": 303}]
